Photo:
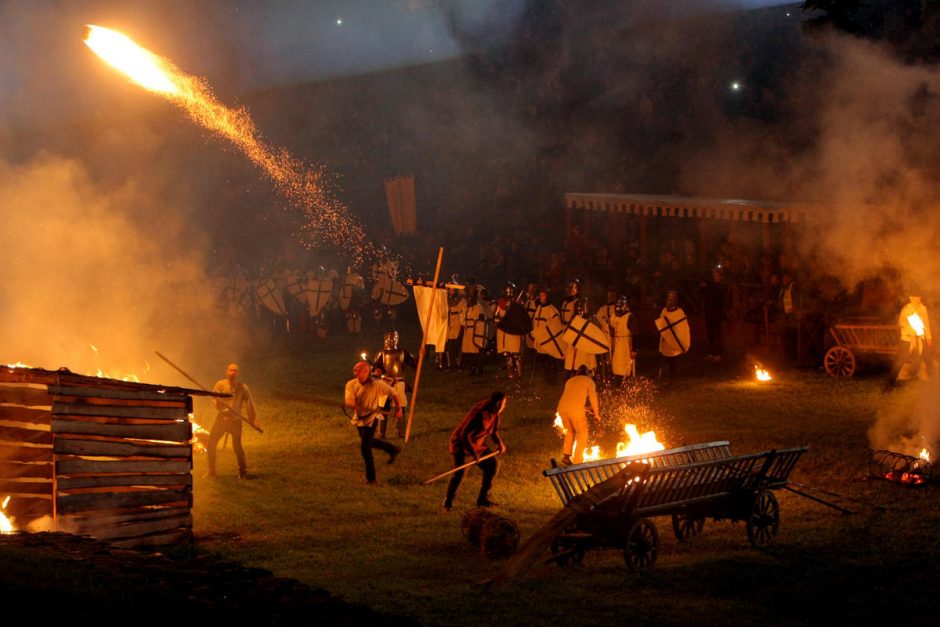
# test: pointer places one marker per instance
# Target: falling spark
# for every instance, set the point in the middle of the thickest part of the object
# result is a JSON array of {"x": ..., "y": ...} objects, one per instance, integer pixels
[{"x": 326, "y": 218}]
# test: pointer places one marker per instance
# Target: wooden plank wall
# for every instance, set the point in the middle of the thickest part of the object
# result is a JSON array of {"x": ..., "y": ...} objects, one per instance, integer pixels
[
  {"x": 123, "y": 464},
  {"x": 26, "y": 461}
]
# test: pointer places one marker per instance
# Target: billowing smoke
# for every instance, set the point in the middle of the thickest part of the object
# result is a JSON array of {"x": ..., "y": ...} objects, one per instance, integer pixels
[{"x": 91, "y": 283}]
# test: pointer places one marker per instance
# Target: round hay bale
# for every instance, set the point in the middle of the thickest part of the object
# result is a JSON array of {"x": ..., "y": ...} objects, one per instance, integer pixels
[
  {"x": 499, "y": 538},
  {"x": 472, "y": 524}
]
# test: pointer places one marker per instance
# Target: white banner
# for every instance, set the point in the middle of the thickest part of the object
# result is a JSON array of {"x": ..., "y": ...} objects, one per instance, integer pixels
[{"x": 437, "y": 333}]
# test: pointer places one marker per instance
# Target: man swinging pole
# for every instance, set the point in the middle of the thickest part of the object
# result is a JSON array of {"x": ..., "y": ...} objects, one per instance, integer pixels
[
  {"x": 469, "y": 439},
  {"x": 229, "y": 419}
]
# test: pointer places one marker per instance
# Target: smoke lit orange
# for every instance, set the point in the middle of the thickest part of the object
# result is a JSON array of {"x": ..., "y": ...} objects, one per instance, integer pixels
[{"x": 326, "y": 218}]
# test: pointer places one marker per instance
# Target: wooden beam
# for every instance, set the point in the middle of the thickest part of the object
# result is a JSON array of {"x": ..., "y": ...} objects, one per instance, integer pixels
[
  {"x": 144, "y": 527},
  {"x": 24, "y": 435},
  {"x": 13, "y": 453},
  {"x": 105, "y": 448},
  {"x": 93, "y": 520},
  {"x": 167, "y": 431},
  {"x": 118, "y": 402},
  {"x": 102, "y": 481},
  {"x": 118, "y": 411},
  {"x": 12, "y": 486},
  {"x": 142, "y": 395},
  {"x": 32, "y": 415},
  {"x": 13, "y": 470},
  {"x": 87, "y": 466},
  {"x": 21, "y": 394},
  {"x": 72, "y": 503}
]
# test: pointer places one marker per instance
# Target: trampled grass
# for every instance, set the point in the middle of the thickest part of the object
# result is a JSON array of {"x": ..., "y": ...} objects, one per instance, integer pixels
[{"x": 308, "y": 513}]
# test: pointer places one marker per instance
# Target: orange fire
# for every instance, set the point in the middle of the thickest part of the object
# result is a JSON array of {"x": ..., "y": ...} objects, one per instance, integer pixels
[
  {"x": 326, "y": 216},
  {"x": 917, "y": 324},
  {"x": 200, "y": 436},
  {"x": 761, "y": 374},
  {"x": 6, "y": 523},
  {"x": 592, "y": 453},
  {"x": 924, "y": 454},
  {"x": 18, "y": 364},
  {"x": 559, "y": 425},
  {"x": 638, "y": 443}
]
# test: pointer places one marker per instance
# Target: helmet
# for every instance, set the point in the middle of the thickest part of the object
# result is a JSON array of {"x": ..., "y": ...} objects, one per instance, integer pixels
[
  {"x": 621, "y": 307},
  {"x": 574, "y": 287},
  {"x": 509, "y": 290},
  {"x": 391, "y": 341}
]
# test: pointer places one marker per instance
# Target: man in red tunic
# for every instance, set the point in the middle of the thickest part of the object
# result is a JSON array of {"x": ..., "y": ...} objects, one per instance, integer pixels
[{"x": 469, "y": 439}]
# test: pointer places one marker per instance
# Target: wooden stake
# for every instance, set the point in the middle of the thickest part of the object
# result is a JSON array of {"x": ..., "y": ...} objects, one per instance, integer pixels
[
  {"x": 424, "y": 341},
  {"x": 453, "y": 470}
]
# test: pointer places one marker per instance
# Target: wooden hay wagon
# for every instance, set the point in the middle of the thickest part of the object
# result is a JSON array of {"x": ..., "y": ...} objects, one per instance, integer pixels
[
  {"x": 99, "y": 457},
  {"x": 861, "y": 339},
  {"x": 610, "y": 503}
]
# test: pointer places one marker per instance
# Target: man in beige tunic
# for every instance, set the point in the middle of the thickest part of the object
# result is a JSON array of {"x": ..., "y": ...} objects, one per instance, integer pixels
[
  {"x": 362, "y": 394},
  {"x": 228, "y": 419}
]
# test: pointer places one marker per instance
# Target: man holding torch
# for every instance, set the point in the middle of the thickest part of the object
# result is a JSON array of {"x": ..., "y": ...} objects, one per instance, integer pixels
[
  {"x": 469, "y": 440},
  {"x": 363, "y": 393}
]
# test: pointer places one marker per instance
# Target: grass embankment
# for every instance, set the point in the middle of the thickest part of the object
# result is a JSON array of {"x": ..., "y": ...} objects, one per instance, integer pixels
[{"x": 309, "y": 514}]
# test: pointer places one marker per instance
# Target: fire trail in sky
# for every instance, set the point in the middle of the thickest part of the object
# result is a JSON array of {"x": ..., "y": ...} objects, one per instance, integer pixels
[{"x": 326, "y": 218}]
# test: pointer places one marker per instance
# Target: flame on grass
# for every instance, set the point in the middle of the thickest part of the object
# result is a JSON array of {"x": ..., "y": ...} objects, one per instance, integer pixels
[
  {"x": 762, "y": 374},
  {"x": 325, "y": 217}
]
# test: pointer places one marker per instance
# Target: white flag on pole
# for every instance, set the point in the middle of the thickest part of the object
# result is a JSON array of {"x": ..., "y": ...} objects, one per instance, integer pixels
[{"x": 437, "y": 333}]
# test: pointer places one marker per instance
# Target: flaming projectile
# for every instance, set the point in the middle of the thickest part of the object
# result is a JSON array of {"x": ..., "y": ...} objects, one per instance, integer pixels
[{"x": 326, "y": 217}]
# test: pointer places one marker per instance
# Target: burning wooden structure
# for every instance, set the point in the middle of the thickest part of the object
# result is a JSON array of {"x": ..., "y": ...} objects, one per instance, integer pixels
[{"x": 95, "y": 456}]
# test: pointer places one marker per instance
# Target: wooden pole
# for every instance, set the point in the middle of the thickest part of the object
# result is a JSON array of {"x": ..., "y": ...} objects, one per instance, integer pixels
[
  {"x": 424, "y": 341},
  {"x": 202, "y": 387},
  {"x": 464, "y": 466}
]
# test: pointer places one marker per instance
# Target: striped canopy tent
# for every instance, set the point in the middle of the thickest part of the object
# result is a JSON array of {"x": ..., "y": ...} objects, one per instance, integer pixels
[{"x": 581, "y": 209}]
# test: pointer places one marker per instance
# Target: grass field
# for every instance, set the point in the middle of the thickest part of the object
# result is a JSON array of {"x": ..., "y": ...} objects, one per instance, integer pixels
[{"x": 308, "y": 513}]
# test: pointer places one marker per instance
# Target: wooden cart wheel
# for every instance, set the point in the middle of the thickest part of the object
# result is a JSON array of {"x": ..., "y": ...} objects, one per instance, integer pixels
[
  {"x": 764, "y": 520},
  {"x": 687, "y": 527},
  {"x": 642, "y": 546},
  {"x": 839, "y": 362}
]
